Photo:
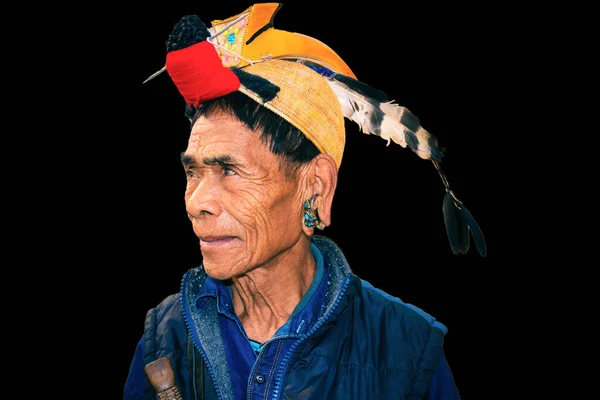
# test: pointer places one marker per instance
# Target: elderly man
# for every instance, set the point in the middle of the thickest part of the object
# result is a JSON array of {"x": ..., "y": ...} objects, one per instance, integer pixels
[{"x": 274, "y": 310}]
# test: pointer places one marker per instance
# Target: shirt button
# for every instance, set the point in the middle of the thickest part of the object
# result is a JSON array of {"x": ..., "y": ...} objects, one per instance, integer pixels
[{"x": 260, "y": 379}]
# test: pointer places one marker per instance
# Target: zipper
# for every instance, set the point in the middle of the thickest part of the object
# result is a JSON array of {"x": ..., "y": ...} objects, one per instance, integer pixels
[
  {"x": 189, "y": 325},
  {"x": 286, "y": 359}
]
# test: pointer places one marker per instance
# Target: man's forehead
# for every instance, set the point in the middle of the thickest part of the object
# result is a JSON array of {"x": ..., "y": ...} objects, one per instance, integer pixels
[
  {"x": 222, "y": 135},
  {"x": 206, "y": 126},
  {"x": 214, "y": 121}
]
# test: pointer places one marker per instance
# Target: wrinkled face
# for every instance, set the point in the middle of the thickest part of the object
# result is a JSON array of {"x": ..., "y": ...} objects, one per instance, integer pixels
[{"x": 243, "y": 208}]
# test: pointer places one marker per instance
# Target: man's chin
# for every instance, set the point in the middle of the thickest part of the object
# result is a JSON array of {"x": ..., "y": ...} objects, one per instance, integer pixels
[{"x": 217, "y": 270}]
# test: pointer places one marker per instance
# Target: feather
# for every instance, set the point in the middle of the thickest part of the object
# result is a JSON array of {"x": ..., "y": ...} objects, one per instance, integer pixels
[
  {"x": 460, "y": 225},
  {"x": 376, "y": 115},
  {"x": 387, "y": 120},
  {"x": 474, "y": 229},
  {"x": 456, "y": 228}
]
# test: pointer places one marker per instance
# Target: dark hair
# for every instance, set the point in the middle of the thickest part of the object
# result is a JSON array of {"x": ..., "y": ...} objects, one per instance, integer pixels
[{"x": 283, "y": 138}]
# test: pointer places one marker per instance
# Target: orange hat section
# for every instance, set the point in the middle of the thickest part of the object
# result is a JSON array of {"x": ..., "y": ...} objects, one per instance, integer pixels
[{"x": 273, "y": 43}]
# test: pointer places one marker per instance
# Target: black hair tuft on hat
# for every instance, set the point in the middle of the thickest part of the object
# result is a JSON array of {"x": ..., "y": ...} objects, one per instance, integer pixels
[
  {"x": 188, "y": 31},
  {"x": 259, "y": 85}
]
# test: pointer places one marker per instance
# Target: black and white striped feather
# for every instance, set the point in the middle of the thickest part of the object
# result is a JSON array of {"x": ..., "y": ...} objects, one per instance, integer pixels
[
  {"x": 386, "y": 119},
  {"x": 376, "y": 115}
]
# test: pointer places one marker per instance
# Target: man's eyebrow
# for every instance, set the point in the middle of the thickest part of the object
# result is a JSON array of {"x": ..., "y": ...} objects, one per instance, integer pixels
[
  {"x": 223, "y": 160},
  {"x": 187, "y": 160}
]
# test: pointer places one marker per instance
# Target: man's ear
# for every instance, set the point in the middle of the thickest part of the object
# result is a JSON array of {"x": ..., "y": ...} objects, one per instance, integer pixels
[{"x": 324, "y": 184}]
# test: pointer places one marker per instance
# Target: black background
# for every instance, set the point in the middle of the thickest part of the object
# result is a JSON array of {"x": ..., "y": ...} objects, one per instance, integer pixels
[{"x": 447, "y": 63}]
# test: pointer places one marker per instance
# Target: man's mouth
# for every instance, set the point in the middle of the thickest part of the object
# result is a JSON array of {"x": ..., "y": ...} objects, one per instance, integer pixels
[{"x": 209, "y": 242}]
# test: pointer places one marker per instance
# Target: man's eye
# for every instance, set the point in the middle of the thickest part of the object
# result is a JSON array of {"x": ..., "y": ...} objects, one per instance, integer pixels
[
  {"x": 228, "y": 171},
  {"x": 189, "y": 173}
]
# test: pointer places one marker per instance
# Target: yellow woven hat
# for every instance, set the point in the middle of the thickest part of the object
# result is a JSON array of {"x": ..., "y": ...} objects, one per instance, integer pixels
[
  {"x": 205, "y": 63},
  {"x": 305, "y": 100}
]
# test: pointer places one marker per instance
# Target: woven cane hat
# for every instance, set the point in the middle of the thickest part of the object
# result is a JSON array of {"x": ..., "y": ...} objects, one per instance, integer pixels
[{"x": 306, "y": 101}]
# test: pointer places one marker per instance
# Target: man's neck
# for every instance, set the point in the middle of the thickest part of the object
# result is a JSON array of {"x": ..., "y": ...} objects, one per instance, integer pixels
[{"x": 265, "y": 298}]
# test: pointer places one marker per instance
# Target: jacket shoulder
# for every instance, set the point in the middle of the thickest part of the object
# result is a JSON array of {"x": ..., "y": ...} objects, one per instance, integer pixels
[
  {"x": 159, "y": 325},
  {"x": 386, "y": 305},
  {"x": 411, "y": 333},
  {"x": 163, "y": 308}
]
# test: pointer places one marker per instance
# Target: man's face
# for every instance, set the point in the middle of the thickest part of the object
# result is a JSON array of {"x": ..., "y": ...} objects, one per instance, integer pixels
[{"x": 243, "y": 208}]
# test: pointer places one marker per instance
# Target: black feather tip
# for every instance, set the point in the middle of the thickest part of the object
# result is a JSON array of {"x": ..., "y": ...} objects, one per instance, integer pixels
[
  {"x": 460, "y": 224},
  {"x": 187, "y": 32}
]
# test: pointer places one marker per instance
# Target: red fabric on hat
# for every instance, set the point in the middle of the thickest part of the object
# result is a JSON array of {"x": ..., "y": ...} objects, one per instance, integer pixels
[{"x": 199, "y": 74}]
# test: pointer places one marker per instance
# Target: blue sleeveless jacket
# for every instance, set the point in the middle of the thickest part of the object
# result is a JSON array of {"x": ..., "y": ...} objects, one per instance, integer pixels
[{"x": 365, "y": 343}]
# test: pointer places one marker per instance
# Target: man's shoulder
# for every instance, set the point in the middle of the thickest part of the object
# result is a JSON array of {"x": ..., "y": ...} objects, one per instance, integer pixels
[
  {"x": 385, "y": 304},
  {"x": 163, "y": 322},
  {"x": 169, "y": 307},
  {"x": 168, "y": 301}
]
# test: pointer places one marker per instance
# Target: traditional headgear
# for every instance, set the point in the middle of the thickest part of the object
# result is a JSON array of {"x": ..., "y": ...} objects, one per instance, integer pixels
[{"x": 306, "y": 83}]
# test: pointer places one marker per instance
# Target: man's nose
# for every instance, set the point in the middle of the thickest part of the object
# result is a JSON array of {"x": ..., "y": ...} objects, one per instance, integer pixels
[{"x": 203, "y": 200}]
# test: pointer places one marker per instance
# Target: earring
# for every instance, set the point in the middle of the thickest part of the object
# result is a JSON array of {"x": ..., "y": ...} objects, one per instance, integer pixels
[{"x": 311, "y": 217}]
